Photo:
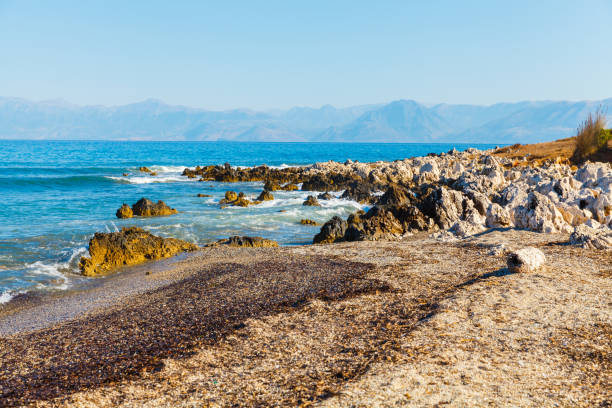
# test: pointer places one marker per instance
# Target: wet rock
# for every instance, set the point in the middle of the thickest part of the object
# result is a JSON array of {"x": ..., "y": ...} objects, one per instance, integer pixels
[
  {"x": 306, "y": 221},
  {"x": 362, "y": 193},
  {"x": 332, "y": 231},
  {"x": 109, "y": 251},
  {"x": 126, "y": 174},
  {"x": 525, "y": 260},
  {"x": 272, "y": 186},
  {"x": 230, "y": 196},
  {"x": 591, "y": 238},
  {"x": 204, "y": 195},
  {"x": 395, "y": 196},
  {"x": 311, "y": 201},
  {"x": 244, "y": 241},
  {"x": 125, "y": 212},
  {"x": 265, "y": 196},
  {"x": 153, "y": 173},
  {"x": 146, "y": 208},
  {"x": 325, "y": 196},
  {"x": 144, "y": 169},
  {"x": 290, "y": 187}
]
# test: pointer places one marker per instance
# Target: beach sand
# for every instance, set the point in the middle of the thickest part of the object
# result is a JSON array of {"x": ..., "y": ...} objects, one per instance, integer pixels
[{"x": 415, "y": 322}]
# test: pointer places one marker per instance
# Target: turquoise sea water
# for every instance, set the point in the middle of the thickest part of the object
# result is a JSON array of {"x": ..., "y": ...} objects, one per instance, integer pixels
[{"x": 55, "y": 194}]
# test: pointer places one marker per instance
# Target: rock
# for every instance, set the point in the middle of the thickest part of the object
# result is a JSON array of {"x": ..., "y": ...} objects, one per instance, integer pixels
[
  {"x": 591, "y": 238},
  {"x": 153, "y": 173},
  {"x": 204, "y": 195},
  {"x": 306, "y": 221},
  {"x": 272, "y": 186},
  {"x": 290, "y": 187},
  {"x": 332, "y": 231},
  {"x": 395, "y": 196},
  {"x": 325, "y": 196},
  {"x": 244, "y": 241},
  {"x": 497, "y": 216},
  {"x": 241, "y": 202},
  {"x": 126, "y": 174},
  {"x": 358, "y": 192},
  {"x": 125, "y": 212},
  {"x": 540, "y": 214},
  {"x": 145, "y": 208},
  {"x": 145, "y": 169},
  {"x": 312, "y": 201},
  {"x": 528, "y": 259},
  {"x": 108, "y": 251},
  {"x": 444, "y": 206},
  {"x": 231, "y": 196},
  {"x": 265, "y": 196}
]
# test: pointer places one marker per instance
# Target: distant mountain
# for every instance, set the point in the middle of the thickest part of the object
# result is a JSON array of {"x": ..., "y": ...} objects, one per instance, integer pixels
[{"x": 398, "y": 121}]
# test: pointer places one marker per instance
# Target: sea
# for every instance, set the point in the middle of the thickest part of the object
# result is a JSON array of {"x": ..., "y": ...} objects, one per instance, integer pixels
[{"x": 54, "y": 195}]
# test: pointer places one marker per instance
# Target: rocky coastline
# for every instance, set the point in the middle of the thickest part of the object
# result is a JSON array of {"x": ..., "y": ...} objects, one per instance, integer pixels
[{"x": 470, "y": 277}]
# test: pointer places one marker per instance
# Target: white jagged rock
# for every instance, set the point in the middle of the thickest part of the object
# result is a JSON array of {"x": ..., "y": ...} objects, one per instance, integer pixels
[
  {"x": 528, "y": 259},
  {"x": 587, "y": 237}
]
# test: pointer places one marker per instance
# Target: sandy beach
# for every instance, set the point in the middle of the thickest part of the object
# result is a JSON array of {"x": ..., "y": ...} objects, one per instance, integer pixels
[{"x": 416, "y": 322}]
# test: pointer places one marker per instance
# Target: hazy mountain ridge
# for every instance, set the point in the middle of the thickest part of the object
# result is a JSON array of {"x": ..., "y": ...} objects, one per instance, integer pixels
[{"x": 398, "y": 121}]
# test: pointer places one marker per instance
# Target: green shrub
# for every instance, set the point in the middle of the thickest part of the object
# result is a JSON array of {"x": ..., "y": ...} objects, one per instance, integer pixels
[
  {"x": 605, "y": 135},
  {"x": 591, "y": 135}
]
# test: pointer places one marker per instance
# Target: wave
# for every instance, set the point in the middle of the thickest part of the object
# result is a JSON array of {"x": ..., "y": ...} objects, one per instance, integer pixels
[{"x": 150, "y": 179}]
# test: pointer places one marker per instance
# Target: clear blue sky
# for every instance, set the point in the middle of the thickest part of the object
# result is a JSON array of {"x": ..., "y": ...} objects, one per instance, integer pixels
[{"x": 277, "y": 54}]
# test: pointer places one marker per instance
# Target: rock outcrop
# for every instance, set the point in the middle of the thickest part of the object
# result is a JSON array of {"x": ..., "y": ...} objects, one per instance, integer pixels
[
  {"x": 591, "y": 238},
  {"x": 526, "y": 260},
  {"x": 146, "y": 208},
  {"x": 125, "y": 211},
  {"x": 109, "y": 251},
  {"x": 265, "y": 196},
  {"x": 244, "y": 241},
  {"x": 236, "y": 200},
  {"x": 332, "y": 231},
  {"x": 312, "y": 201},
  {"x": 306, "y": 221}
]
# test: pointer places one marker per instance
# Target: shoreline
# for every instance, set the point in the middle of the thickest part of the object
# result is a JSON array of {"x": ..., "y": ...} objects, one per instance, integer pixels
[
  {"x": 325, "y": 323},
  {"x": 408, "y": 304}
]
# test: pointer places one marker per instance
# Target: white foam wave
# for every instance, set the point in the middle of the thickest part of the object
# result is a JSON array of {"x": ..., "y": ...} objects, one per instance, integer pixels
[
  {"x": 6, "y": 296},
  {"x": 168, "y": 169},
  {"x": 151, "y": 179}
]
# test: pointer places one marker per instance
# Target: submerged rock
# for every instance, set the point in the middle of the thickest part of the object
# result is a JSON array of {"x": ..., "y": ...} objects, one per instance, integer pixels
[
  {"x": 146, "y": 208},
  {"x": 230, "y": 196},
  {"x": 130, "y": 246},
  {"x": 125, "y": 212},
  {"x": 312, "y": 201},
  {"x": 244, "y": 241},
  {"x": 204, "y": 195},
  {"x": 325, "y": 196},
  {"x": 528, "y": 259},
  {"x": 306, "y": 221},
  {"x": 145, "y": 169}
]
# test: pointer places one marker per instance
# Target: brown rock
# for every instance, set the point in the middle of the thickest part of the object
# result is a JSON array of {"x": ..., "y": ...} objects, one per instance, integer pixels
[
  {"x": 231, "y": 196},
  {"x": 237, "y": 241},
  {"x": 108, "y": 251},
  {"x": 290, "y": 187},
  {"x": 312, "y": 201},
  {"x": 145, "y": 169},
  {"x": 265, "y": 196},
  {"x": 204, "y": 195},
  {"x": 332, "y": 231},
  {"x": 146, "y": 208},
  {"x": 306, "y": 221},
  {"x": 124, "y": 212},
  {"x": 272, "y": 186}
]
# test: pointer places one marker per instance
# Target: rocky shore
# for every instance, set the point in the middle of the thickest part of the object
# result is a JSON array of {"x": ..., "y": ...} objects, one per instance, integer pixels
[
  {"x": 454, "y": 194},
  {"x": 473, "y": 279}
]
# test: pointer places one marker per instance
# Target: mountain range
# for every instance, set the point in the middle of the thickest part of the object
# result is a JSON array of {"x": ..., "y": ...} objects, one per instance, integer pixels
[{"x": 398, "y": 121}]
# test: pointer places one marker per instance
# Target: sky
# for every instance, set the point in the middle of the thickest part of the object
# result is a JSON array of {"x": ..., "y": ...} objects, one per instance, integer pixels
[{"x": 278, "y": 54}]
